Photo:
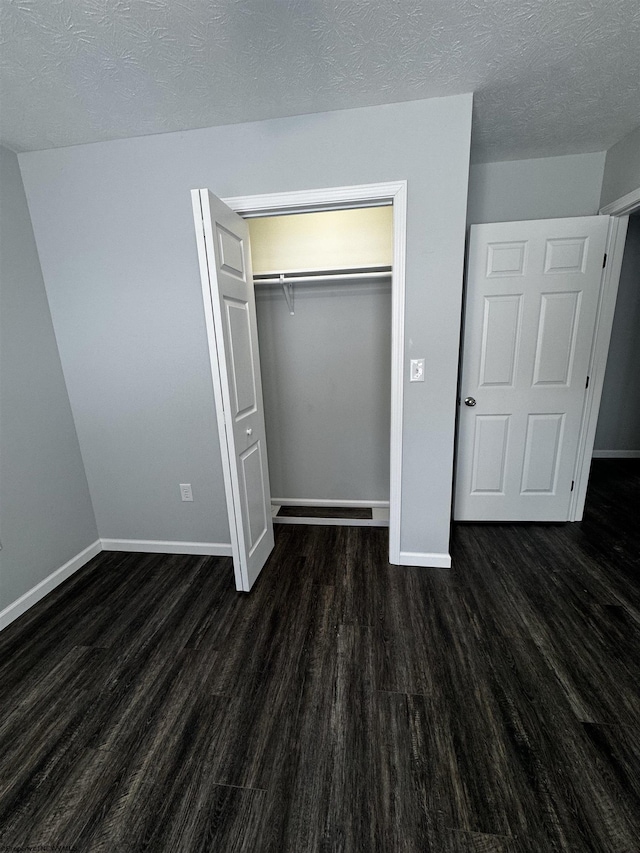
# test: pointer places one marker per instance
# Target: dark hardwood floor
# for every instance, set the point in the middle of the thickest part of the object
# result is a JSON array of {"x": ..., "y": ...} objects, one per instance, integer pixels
[{"x": 345, "y": 704}]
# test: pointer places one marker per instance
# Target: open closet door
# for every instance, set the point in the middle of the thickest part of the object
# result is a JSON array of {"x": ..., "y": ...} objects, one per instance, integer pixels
[{"x": 230, "y": 312}]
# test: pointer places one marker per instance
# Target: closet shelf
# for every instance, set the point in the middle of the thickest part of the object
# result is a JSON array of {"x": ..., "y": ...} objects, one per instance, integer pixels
[{"x": 287, "y": 280}]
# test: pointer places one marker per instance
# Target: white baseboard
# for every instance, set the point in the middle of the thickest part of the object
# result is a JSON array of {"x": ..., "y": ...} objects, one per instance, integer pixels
[
  {"x": 159, "y": 546},
  {"x": 36, "y": 593},
  {"x": 427, "y": 560},
  {"x": 380, "y": 513},
  {"x": 32, "y": 596},
  {"x": 327, "y": 502},
  {"x": 217, "y": 549},
  {"x": 616, "y": 454}
]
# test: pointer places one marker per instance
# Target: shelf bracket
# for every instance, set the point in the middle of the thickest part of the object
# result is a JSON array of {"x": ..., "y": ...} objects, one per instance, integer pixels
[{"x": 287, "y": 289}]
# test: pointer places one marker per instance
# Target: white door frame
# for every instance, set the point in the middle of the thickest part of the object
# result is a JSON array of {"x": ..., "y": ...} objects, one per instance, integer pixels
[
  {"x": 619, "y": 211},
  {"x": 364, "y": 195}
]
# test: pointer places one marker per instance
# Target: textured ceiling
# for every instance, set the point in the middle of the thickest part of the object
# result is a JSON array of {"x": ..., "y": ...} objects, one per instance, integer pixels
[{"x": 550, "y": 76}]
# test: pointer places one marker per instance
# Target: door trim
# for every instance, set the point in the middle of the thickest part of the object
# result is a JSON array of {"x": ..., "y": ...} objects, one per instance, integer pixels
[
  {"x": 629, "y": 203},
  {"x": 619, "y": 211},
  {"x": 363, "y": 195},
  {"x": 598, "y": 362}
]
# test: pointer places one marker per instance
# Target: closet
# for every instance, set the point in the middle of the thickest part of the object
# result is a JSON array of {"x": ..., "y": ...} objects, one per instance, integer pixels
[{"x": 323, "y": 303}]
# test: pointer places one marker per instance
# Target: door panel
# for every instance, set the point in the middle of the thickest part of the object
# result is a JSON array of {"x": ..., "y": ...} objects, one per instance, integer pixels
[
  {"x": 541, "y": 453},
  {"x": 241, "y": 375},
  {"x": 531, "y": 305},
  {"x": 230, "y": 247},
  {"x": 499, "y": 340},
  {"x": 565, "y": 256},
  {"x": 506, "y": 259},
  {"x": 556, "y": 341},
  {"x": 489, "y": 454},
  {"x": 230, "y": 313},
  {"x": 252, "y": 488}
]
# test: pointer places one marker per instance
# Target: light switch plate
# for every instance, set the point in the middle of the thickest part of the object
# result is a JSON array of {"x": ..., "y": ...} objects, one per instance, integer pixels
[{"x": 417, "y": 370}]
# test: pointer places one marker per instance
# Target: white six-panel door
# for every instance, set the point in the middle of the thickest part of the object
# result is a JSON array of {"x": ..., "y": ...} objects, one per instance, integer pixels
[
  {"x": 531, "y": 304},
  {"x": 230, "y": 313}
]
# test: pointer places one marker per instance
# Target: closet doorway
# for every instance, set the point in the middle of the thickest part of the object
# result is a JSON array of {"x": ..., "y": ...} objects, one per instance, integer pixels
[
  {"x": 214, "y": 267},
  {"x": 323, "y": 303}
]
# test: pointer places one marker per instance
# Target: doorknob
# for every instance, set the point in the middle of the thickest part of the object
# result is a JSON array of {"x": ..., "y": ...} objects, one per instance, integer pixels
[
  {"x": 249, "y": 431},
  {"x": 469, "y": 401}
]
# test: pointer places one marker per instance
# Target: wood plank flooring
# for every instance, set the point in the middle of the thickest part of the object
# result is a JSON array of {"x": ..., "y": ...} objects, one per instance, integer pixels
[{"x": 345, "y": 704}]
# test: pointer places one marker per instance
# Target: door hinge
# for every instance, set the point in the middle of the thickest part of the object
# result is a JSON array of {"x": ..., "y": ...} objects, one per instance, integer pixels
[
  {"x": 572, "y": 484},
  {"x": 604, "y": 261},
  {"x": 587, "y": 383}
]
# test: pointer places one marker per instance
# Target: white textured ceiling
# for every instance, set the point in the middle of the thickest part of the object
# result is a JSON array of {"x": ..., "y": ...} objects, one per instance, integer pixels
[{"x": 550, "y": 76}]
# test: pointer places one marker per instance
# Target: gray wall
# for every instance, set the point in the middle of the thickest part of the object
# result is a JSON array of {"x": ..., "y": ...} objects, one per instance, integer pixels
[
  {"x": 622, "y": 168},
  {"x": 115, "y": 234},
  {"x": 45, "y": 510},
  {"x": 326, "y": 378},
  {"x": 545, "y": 188},
  {"x": 619, "y": 418}
]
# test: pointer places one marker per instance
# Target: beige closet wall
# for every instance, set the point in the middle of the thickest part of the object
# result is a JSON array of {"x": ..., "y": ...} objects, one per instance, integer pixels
[{"x": 330, "y": 240}]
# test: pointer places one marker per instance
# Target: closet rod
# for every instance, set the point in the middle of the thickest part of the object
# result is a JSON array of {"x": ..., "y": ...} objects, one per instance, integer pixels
[
  {"x": 288, "y": 282},
  {"x": 303, "y": 279}
]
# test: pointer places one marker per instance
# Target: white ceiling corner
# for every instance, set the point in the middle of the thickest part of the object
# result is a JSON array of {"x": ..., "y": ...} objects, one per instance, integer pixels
[{"x": 549, "y": 76}]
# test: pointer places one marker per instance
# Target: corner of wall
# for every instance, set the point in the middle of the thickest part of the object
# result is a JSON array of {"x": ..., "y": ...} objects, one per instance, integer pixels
[
  {"x": 47, "y": 514},
  {"x": 621, "y": 169}
]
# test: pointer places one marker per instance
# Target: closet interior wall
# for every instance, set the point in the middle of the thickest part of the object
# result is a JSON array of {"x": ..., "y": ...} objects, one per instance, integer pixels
[{"x": 326, "y": 379}]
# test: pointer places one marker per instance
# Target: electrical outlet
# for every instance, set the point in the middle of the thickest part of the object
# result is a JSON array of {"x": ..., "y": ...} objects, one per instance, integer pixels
[{"x": 185, "y": 492}]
